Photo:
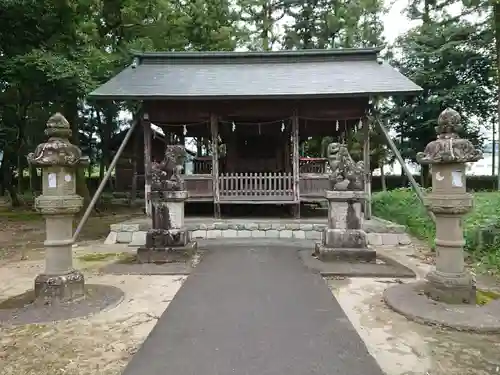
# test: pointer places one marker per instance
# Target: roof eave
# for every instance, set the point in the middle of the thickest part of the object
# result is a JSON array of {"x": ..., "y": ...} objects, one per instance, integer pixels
[{"x": 412, "y": 92}]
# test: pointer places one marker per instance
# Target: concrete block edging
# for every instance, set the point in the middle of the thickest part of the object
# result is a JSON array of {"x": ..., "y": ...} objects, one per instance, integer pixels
[{"x": 135, "y": 234}]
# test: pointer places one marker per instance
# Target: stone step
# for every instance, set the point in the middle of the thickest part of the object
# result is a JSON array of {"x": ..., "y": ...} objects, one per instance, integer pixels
[{"x": 133, "y": 235}]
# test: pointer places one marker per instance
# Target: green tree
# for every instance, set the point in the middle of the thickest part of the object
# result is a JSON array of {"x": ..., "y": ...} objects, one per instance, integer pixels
[
  {"x": 452, "y": 63},
  {"x": 334, "y": 23},
  {"x": 259, "y": 19}
]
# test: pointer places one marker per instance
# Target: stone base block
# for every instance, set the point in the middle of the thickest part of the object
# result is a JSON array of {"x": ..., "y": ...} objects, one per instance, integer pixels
[
  {"x": 449, "y": 289},
  {"x": 50, "y": 289},
  {"x": 345, "y": 238},
  {"x": 329, "y": 254},
  {"x": 166, "y": 254},
  {"x": 165, "y": 238}
]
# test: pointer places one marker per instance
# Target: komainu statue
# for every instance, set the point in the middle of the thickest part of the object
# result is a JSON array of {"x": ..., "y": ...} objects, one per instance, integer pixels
[
  {"x": 345, "y": 173},
  {"x": 166, "y": 175}
]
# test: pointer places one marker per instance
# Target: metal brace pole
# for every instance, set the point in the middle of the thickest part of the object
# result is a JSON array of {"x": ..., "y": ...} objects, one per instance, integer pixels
[
  {"x": 104, "y": 180},
  {"x": 408, "y": 174}
]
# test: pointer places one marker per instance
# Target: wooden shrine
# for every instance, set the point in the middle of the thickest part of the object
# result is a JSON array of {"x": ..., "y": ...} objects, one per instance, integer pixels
[{"x": 256, "y": 108}]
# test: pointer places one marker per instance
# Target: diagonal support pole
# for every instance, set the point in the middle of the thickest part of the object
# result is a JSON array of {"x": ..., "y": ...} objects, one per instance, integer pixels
[
  {"x": 407, "y": 172},
  {"x": 104, "y": 180}
]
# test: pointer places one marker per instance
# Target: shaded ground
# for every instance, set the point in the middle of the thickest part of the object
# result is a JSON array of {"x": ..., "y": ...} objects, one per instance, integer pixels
[
  {"x": 22, "y": 232},
  {"x": 104, "y": 343},
  {"x": 402, "y": 347},
  {"x": 100, "y": 344}
]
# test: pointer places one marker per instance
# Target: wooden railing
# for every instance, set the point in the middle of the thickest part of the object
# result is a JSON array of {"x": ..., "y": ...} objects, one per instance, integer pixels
[
  {"x": 312, "y": 186},
  {"x": 256, "y": 187},
  {"x": 312, "y": 165},
  {"x": 202, "y": 165},
  {"x": 199, "y": 187}
]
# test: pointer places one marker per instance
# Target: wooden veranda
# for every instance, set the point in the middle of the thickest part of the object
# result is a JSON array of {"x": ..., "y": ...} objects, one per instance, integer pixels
[{"x": 256, "y": 109}]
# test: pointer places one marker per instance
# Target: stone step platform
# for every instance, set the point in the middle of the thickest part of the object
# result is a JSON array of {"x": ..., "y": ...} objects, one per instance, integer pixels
[{"x": 379, "y": 231}]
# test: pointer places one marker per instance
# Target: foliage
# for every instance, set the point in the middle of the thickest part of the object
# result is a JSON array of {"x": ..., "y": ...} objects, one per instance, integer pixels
[
  {"x": 333, "y": 23},
  {"x": 481, "y": 225},
  {"x": 453, "y": 63},
  {"x": 53, "y": 53}
]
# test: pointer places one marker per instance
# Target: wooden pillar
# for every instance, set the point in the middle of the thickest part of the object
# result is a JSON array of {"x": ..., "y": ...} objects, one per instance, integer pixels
[
  {"x": 147, "y": 162},
  {"x": 214, "y": 130},
  {"x": 295, "y": 163},
  {"x": 135, "y": 152},
  {"x": 366, "y": 161}
]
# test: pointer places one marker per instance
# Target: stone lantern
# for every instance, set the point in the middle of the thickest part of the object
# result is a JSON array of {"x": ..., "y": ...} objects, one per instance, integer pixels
[
  {"x": 59, "y": 160},
  {"x": 449, "y": 282}
]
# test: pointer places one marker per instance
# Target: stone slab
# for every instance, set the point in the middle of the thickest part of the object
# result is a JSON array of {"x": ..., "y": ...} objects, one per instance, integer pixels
[
  {"x": 23, "y": 311},
  {"x": 409, "y": 300},
  {"x": 166, "y": 255},
  {"x": 383, "y": 267},
  {"x": 111, "y": 238},
  {"x": 330, "y": 254},
  {"x": 345, "y": 238},
  {"x": 256, "y": 310}
]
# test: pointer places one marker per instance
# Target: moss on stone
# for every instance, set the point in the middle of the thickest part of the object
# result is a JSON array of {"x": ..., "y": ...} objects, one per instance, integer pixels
[{"x": 484, "y": 297}]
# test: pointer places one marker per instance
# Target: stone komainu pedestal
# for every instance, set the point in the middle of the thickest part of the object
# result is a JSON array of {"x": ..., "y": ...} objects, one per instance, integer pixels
[
  {"x": 58, "y": 203},
  {"x": 449, "y": 282},
  {"x": 168, "y": 240},
  {"x": 344, "y": 239}
]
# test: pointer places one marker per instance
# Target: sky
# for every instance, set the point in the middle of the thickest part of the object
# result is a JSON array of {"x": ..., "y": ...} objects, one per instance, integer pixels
[{"x": 395, "y": 23}]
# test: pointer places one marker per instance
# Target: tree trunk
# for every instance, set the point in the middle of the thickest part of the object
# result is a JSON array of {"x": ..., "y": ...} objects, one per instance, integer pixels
[
  {"x": 19, "y": 173},
  {"x": 496, "y": 20},
  {"x": 8, "y": 178},
  {"x": 382, "y": 177}
]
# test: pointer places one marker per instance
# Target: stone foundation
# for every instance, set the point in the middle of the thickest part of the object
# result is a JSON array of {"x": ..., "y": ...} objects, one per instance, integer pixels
[
  {"x": 452, "y": 290},
  {"x": 345, "y": 244},
  {"x": 378, "y": 232},
  {"x": 59, "y": 288},
  {"x": 166, "y": 255},
  {"x": 166, "y": 238},
  {"x": 329, "y": 254}
]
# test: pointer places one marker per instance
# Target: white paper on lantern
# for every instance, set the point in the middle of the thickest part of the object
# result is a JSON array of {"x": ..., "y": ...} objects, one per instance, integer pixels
[{"x": 52, "y": 180}]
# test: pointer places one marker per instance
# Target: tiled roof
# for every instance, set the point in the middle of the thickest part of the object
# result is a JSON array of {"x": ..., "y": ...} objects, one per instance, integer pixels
[{"x": 282, "y": 74}]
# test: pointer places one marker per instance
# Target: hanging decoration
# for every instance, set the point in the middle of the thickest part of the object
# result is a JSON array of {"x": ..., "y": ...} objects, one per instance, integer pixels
[
  {"x": 337, "y": 125},
  {"x": 184, "y": 131},
  {"x": 344, "y": 133},
  {"x": 234, "y": 127},
  {"x": 282, "y": 126}
]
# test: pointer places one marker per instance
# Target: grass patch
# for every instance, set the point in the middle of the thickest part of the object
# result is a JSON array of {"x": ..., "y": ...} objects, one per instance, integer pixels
[
  {"x": 122, "y": 258},
  {"x": 481, "y": 226},
  {"x": 127, "y": 258},
  {"x": 20, "y": 215},
  {"x": 97, "y": 257},
  {"x": 484, "y": 297}
]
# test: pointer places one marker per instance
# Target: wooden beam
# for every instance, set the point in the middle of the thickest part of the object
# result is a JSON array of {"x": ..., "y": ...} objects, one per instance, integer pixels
[
  {"x": 214, "y": 129},
  {"x": 366, "y": 161},
  {"x": 295, "y": 163},
  {"x": 198, "y": 111},
  {"x": 146, "y": 123},
  {"x": 135, "y": 151}
]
